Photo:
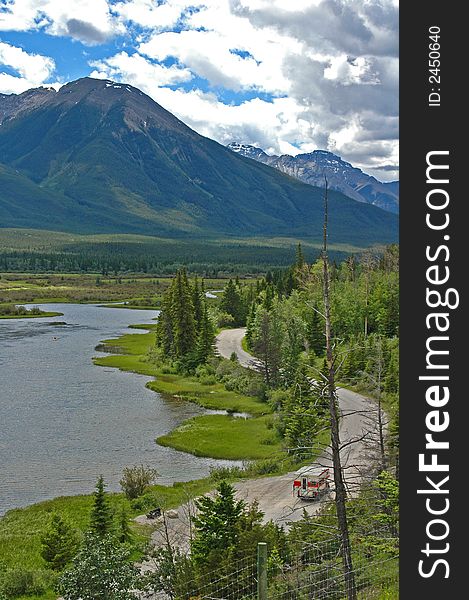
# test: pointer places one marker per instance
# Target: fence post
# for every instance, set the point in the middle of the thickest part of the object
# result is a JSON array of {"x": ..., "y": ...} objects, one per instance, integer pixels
[{"x": 261, "y": 571}]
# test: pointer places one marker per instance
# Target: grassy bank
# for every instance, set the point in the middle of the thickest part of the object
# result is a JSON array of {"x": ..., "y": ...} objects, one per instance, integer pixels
[
  {"x": 21, "y": 529},
  {"x": 220, "y": 436},
  {"x": 41, "y": 315},
  {"x": 134, "y": 358}
]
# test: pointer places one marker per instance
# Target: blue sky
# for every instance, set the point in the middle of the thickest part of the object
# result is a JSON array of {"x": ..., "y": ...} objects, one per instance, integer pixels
[{"x": 288, "y": 76}]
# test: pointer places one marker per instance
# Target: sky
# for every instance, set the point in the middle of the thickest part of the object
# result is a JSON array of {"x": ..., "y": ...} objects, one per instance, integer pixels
[{"x": 288, "y": 76}]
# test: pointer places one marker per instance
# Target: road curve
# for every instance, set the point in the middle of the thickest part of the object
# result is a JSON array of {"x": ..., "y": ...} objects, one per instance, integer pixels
[{"x": 274, "y": 494}]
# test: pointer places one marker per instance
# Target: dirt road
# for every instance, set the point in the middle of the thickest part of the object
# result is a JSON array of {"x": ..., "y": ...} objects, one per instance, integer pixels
[{"x": 274, "y": 494}]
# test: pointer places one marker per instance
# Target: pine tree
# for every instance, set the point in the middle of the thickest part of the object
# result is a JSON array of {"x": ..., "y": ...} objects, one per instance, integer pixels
[
  {"x": 299, "y": 258},
  {"x": 101, "y": 514},
  {"x": 314, "y": 332},
  {"x": 165, "y": 326},
  {"x": 125, "y": 533},
  {"x": 205, "y": 338},
  {"x": 269, "y": 297},
  {"x": 59, "y": 543},
  {"x": 231, "y": 302},
  {"x": 216, "y": 524},
  {"x": 267, "y": 344},
  {"x": 250, "y": 325},
  {"x": 197, "y": 302},
  {"x": 183, "y": 316}
]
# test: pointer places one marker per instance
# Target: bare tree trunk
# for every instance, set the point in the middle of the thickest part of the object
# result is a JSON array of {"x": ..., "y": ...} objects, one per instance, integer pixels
[
  {"x": 340, "y": 490},
  {"x": 382, "y": 443}
]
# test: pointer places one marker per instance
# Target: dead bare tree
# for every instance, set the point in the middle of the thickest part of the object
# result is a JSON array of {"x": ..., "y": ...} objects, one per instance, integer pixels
[
  {"x": 340, "y": 489},
  {"x": 369, "y": 262}
]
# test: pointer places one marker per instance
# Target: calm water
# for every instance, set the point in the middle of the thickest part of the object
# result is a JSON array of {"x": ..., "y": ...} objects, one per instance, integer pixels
[{"x": 64, "y": 421}]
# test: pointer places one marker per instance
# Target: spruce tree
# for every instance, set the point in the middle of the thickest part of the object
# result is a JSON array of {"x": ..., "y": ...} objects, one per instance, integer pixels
[
  {"x": 205, "y": 338},
  {"x": 217, "y": 522},
  {"x": 165, "y": 325},
  {"x": 183, "y": 316},
  {"x": 197, "y": 302},
  {"x": 59, "y": 543},
  {"x": 231, "y": 302},
  {"x": 101, "y": 514},
  {"x": 315, "y": 333},
  {"x": 250, "y": 325},
  {"x": 299, "y": 259},
  {"x": 125, "y": 533}
]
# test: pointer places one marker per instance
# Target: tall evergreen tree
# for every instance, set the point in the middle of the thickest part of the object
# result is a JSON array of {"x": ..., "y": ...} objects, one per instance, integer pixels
[
  {"x": 299, "y": 258},
  {"x": 205, "y": 338},
  {"x": 165, "y": 325},
  {"x": 250, "y": 325},
  {"x": 124, "y": 533},
  {"x": 101, "y": 514},
  {"x": 197, "y": 302},
  {"x": 231, "y": 302},
  {"x": 216, "y": 524},
  {"x": 314, "y": 332},
  {"x": 267, "y": 344},
  {"x": 185, "y": 334}
]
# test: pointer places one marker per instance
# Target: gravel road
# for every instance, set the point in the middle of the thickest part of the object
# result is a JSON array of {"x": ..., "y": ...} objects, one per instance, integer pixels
[{"x": 274, "y": 494}]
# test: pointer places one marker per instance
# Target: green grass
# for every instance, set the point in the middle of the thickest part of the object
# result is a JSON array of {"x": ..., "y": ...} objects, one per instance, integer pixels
[
  {"x": 213, "y": 397},
  {"x": 244, "y": 344},
  {"x": 40, "y": 316},
  {"x": 21, "y": 529},
  {"x": 223, "y": 436},
  {"x": 134, "y": 359}
]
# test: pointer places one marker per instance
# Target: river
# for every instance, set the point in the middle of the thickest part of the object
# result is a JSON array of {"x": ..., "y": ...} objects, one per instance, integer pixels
[{"x": 65, "y": 421}]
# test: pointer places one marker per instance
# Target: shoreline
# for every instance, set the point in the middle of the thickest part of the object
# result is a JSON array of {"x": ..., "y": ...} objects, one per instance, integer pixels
[{"x": 41, "y": 316}]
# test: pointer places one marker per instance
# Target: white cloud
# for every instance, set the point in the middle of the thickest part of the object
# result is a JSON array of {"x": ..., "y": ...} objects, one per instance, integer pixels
[
  {"x": 89, "y": 21},
  {"x": 135, "y": 69},
  {"x": 32, "y": 69},
  {"x": 212, "y": 56},
  {"x": 147, "y": 13}
]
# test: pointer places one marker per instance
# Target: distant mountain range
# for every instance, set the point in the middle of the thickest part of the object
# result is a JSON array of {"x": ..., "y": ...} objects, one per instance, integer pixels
[
  {"x": 341, "y": 176},
  {"x": 103, "y": 157}
]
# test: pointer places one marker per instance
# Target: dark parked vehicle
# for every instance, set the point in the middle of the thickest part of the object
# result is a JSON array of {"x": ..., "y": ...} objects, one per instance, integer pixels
[{"x": 154, "y": 514}]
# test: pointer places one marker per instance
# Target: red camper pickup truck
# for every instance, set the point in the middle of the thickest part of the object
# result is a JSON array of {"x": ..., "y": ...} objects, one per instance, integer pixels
[{"x": 311, "y": 482}]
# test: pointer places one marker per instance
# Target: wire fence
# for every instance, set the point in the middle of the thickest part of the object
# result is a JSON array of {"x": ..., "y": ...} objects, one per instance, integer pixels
[{"x": 314, "y": 572}]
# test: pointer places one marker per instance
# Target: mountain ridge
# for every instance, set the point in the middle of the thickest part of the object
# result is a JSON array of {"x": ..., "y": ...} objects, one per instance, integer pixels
[
  {"x": 100, "y": 156},
  {"x": 311, "y": 167}
]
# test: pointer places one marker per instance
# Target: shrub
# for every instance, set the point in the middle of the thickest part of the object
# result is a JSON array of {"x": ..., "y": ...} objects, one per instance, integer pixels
[
  {"x": 21, "y": 582},
  {"x": 135, "y": 480},
  {"x": 145, "y": 502}
]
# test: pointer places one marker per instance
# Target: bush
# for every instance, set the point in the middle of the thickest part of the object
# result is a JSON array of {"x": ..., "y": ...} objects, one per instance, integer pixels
[
  {"x": 224, "y": 319},
  {"x": 204, "y": 370},
  {"x": 208, "y": 380},
  {"x": 144, "y": 503},
  {"x": 136, "y": 479},
  {"x": 225, "y": 473},
  {"x": 265, "y": 467},
  {"x": 21, "y": 582}
]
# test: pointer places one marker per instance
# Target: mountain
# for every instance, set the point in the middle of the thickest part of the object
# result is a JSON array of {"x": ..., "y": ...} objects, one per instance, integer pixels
[
  {"x": 341, "y": 175},
  {"x": 102, "y": 157}
]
